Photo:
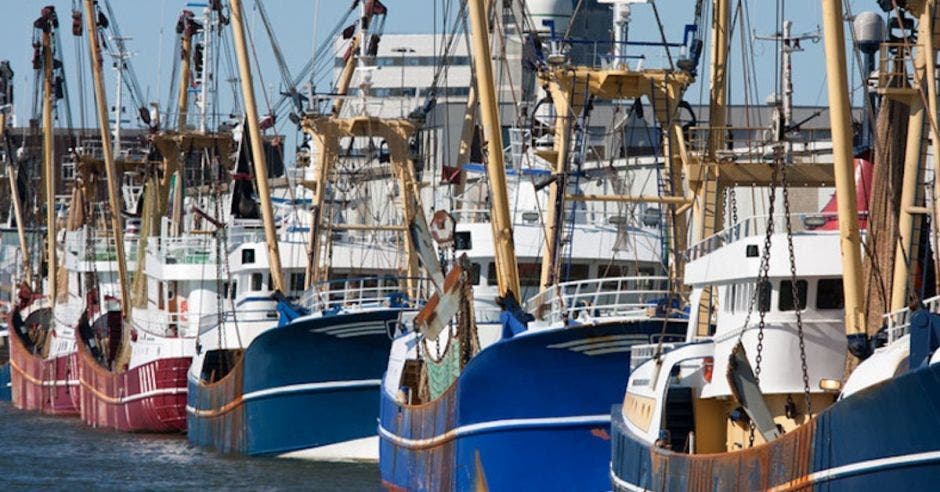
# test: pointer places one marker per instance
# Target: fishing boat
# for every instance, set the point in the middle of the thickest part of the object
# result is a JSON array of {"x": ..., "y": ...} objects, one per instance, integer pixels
[
  {"x": 798, "y": 400},
  {"x": 11, "y": 270},
  {"x": 274, "y": 369},
  {"x": 523, "y": 402},
  {"x": 42, "y": 356},
  {"x": 136, "y": 342}
]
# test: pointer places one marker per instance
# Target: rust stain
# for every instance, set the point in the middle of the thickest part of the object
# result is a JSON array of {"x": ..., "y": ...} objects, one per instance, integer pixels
[
  {"x": 601, "y": 433},
  {"x": 782, "y": 465}
]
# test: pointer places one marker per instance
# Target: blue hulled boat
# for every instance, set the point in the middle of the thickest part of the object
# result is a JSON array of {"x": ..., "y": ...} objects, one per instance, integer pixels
[
  {"x": 308, "y": 388},
  {"x": 512, "y": 408},
  {"x": 882, "y": 432}
]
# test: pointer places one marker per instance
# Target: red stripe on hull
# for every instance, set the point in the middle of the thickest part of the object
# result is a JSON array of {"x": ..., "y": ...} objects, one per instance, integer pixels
[
  {"x": 49, "y": 386},
  {"x": 147, "y": 398}
]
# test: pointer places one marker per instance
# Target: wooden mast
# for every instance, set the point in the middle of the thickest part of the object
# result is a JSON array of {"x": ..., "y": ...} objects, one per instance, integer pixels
[
  {"x": 843, "y": 167},
  {"x": 114, "y": 197},
  {"x": 706, "y": 208},
  {"x": 358, "y": 43},
  {"x": 182, "y": 101},
  {"x": 257, "y": 145},
  {"x": 48, "y": 157},
  {"x": 906, "y": 247},
  {"x": 15, "y": 198},
  {"x": 507, "y": 270}
]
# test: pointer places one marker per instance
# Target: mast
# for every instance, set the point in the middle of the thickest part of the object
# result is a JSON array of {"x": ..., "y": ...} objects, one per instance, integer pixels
[
  {"x": 906, "y": 248},
  {"x": 257, "y": 144},
  {"x": 844, "y": 169},
  {"x": 114, "y": 198},
  {"x": 205, "y": 76},
  {"x": 507, "y": 270},
  {"x": 358, "y": 43},
  {"x": 718, "y": 95},
  {"x": 182, "y": 103},
  {"x": 6, "y": 99},
  {"x": 48, "y": 158},
  {"x": 706, "y": 210}
]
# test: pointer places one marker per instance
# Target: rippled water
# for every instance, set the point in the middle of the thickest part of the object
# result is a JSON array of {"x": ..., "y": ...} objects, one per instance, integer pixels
[{"x": 38, "y": 452}]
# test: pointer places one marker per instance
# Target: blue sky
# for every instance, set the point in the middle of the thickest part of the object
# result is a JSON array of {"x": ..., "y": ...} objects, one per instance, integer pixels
[{"x": 151, "y": 22}]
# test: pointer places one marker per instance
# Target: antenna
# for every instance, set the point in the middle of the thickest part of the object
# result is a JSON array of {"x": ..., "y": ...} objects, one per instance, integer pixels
[
  {"x": 789, "y": 44},
  {"x": 120, "y": 64}
]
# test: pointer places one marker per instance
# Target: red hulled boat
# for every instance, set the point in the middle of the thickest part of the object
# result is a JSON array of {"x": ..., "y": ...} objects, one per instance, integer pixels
[
  {"x": 127, "y": 393},
  {"x": 40, "y": 381}
]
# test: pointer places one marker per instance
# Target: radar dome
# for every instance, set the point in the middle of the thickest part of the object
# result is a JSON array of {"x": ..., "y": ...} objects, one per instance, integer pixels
[{"x": 869, "y": 30}]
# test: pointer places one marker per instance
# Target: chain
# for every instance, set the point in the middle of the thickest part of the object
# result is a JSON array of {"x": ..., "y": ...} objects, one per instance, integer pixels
[
  {"x": 794, "y": 293},
  {"x": 733, "y": 201}
]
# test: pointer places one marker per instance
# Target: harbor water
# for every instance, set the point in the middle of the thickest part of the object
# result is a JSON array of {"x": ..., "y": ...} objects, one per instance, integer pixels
[{"x": 51, "y": 453}]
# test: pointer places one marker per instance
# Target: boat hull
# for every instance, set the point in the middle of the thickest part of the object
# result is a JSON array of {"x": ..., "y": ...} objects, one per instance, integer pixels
[
  {"x": 887, "y": 436},
  {"x": 147, "y": 398},
  {"x": 5, "y": 384},
  {"x": 530, "y": 412},
  {"x": 309, "y": 389},
  {"x": 49, "y": 386}
]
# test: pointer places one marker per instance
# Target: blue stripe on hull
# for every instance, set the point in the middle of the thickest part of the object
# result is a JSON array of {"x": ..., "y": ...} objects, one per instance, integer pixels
[
  {"x": 301, "y": 387},
  {"x": 5, "y": 394},
  {"x": 887, "y": 436},
  {"x": 533, "y": 409}
]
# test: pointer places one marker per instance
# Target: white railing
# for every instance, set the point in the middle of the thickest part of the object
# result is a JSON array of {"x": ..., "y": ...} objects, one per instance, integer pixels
[
  {"x": 599, "y": 298},
  {"x": 102, "y": 247},
  {"x": 899, "y": 322},
  {"x": 184, "y": 249},
  {"x": 163, "y": 323},
  {"x": 639, "y": 354},
  {"x": 366, "y": 292},
  {"x": 757, "y": 226},
  {"x": 595, "y": 216},
  {"x": 231, "y": 318}
]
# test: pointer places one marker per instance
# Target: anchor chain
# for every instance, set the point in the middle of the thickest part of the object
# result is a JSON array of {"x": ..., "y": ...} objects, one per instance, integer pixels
[{"x": 794, "y": 293}]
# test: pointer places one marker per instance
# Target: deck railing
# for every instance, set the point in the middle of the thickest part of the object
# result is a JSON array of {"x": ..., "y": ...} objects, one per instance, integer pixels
[
  {"x": 599, "y": 298},
  {"x": 366, "y": 292},
  {"x": 754, "y": 144},
  {"x": 757, "y": 226},
  {"x": 899, "y": 322},
  {"x": 639, "y": 354},
  {"x": 163, "y": 323},
  {"x": 102, "y": 247}
]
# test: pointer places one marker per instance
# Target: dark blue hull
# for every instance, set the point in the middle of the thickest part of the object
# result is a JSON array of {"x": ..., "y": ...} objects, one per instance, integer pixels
[
  {"x": 5, "y": 393},
  {"x": 886, "y": 437},
  {"x": 527, "y": 413},
  {"x": 312, "y": 383}
]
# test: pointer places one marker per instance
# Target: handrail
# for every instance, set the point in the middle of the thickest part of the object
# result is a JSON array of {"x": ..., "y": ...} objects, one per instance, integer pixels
[
  {"x": 164, "y": 323},
  {"x": 899, "y": 322},
  {"x": 365, "y": 292},
  {"x": 641, "y": 353},
  {"x": 599, "y": 298},
  {"x": 757, "y": 225}
]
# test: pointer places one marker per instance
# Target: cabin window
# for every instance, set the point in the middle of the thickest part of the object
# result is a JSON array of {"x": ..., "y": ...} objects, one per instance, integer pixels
[
  {"x": 829, "y": 294},
  {"x": 257, "y": 280},
  {"x": 732, "y": 297},
  {"x": 270, "y": 282},
  {"x": 248, "y": 256},
  {"x": 297, "y": 282},
  {"x": 613, "y": 271},
  {"x": 233, "y": 290},
  {"x": 574, "y": 272},
  {"x": 763, "y": 296},
  {"x": 530, "y": 274},
  {"x": 475, "y": 269},
  {"x": 785, "y": 301},
  {"x": 462, "y": 241}
]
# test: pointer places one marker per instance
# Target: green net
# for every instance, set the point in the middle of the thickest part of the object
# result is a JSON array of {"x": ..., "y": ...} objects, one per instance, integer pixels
[{"x": 443, "y": 373}]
